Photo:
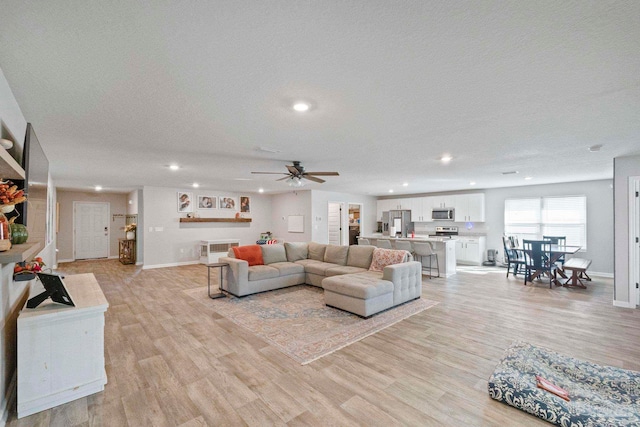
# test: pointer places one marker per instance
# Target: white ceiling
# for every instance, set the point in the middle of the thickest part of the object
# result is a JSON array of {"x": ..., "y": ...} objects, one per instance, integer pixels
[{"x": 118, "y": 90}]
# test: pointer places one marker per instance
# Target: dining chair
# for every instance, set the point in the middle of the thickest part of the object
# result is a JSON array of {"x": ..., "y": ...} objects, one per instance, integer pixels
[
  {"x": 560, "y": 241},
  {"x": 425, "y": 250},
  {"x": 512, "y": 255},
  {"x": 385, "y": 244},
  {"x": 403, "y": 245},
  {"x": 364, "y": 242},
  {"x": 536, "y": 255}
]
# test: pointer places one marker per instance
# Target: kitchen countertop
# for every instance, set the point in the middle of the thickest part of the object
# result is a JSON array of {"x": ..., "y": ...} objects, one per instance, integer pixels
[{"x": 410, "y": 239}]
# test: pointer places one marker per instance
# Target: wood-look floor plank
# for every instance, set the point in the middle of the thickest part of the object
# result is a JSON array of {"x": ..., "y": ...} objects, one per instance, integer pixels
[{"x": 172, "y": 360}]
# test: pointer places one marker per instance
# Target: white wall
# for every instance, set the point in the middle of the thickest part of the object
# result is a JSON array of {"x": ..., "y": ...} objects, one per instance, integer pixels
[
  {"x": 168, "y": 242},
  {"x": 292, "y": 203},
  {"x": 624, "y": 167},
  {"x": 320, "y": 209}
]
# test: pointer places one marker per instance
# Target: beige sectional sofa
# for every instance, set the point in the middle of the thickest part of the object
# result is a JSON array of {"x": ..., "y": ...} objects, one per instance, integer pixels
[{"x": 342, "y": 271}]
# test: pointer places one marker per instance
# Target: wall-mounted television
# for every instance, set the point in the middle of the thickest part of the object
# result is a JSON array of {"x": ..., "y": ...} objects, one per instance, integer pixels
[{"x": 33, "y": 213}]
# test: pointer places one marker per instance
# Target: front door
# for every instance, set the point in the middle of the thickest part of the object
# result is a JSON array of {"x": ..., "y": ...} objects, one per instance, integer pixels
[{"x": 91, "y": 226}]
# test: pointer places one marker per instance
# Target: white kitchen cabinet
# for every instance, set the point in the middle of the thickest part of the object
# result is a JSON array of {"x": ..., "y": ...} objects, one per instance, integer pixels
[
  {"x": 420, "y": 210},
  {"x": 470, "y": 250},
  {"x": 384, "y": 205},
  {"x": 439, "y": 202},
  {"x": 469, "y": 207}
]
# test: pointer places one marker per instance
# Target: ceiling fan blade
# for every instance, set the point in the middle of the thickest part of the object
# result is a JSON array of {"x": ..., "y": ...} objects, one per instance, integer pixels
[
  {"x": 322, "y": 173},
  {"x": 292, "y": 169},
  {"x": 270, "y": 173},
  {"x": 282, "y": 179},
  {"x": 313, "y": 178}
]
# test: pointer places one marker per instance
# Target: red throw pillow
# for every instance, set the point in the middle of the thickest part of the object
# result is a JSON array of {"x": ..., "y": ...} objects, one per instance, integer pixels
[{"x": 251, "y": 253}]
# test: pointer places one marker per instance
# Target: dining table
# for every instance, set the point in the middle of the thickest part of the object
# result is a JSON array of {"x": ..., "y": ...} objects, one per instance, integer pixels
[{"x": 555, "y": 253}]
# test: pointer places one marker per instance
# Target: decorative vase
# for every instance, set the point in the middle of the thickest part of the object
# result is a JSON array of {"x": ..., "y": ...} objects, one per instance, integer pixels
[
  {"x": 131, "y": 235},
  {"x": 5, "y": 233}
]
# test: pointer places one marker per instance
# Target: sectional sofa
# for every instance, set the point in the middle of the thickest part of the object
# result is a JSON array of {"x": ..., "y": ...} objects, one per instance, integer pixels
[{"x": 360, "y": 279}]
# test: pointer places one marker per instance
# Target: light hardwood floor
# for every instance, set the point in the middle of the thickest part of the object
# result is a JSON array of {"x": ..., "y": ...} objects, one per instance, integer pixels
[{"x": 173, "y": 361}]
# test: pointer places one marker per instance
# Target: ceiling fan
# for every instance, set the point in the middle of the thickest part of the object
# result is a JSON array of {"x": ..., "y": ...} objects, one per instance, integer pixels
[{"x": 296, "y": 173}]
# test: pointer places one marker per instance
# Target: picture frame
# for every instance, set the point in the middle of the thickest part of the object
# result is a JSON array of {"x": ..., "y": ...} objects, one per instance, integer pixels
[
  {"x": 228, "y": 203},
  {"x": 245, "y": 204},
  {"x": 207, "y": 202},
  {"x": 185, "y": 201}
]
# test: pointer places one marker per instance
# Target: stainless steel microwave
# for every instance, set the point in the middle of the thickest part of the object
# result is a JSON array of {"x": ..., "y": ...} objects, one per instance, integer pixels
[{"x": 446, "y": 214}]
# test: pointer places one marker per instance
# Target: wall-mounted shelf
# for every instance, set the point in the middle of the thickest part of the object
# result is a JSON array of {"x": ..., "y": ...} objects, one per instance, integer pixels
[
  {"x": 19, "y": 253},
  {"x": 9, "y": 168},
  {"x": 215, "y": 219}
]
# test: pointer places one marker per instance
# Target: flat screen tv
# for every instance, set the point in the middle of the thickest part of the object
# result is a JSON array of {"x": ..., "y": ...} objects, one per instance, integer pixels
[{"x": 33, "y": 213}]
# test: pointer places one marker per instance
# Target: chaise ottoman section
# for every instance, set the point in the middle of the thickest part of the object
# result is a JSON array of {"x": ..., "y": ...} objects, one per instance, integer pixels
[{"x": 363, "y": 294}]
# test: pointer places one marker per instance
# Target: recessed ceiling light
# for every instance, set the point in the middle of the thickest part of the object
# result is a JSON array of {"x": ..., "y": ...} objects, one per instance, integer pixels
[
  {"x": 98, "y": 188},
  {"x": 260, "y": 190},
  {"x": 301, "y": 106},
  {"x": 472, "y": 183},
  {"x": 391, "y": 191},
  {"x": 595, "y": 148},
  {"x": 528, "y": 178},
  {"x": 174, "y": 167},
  {"x": 242, "y": 179},
  {"x": 196, "y": 185},
  {"x": 446, "y": 158},
  {"x": 405, "y": 184}
]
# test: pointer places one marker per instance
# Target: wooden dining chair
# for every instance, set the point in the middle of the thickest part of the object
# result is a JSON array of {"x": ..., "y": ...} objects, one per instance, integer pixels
[
  {"x": 513, "y": 256},
  {"x": 536, "y": 255},
  {"x": 560, "y": 241}
]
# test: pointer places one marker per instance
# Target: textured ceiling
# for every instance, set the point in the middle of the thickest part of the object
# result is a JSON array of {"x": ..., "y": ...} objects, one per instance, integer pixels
[{"x": 118, "y": 90}]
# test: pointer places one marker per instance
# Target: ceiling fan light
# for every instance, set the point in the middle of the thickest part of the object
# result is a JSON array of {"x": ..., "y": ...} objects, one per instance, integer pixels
[{"x": 295, "y": 182}]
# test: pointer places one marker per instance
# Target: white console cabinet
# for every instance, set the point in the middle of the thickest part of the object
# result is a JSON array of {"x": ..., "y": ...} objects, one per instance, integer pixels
[
  {"x": 470, "y": 250},
  {"x": 61, "y": 348}
]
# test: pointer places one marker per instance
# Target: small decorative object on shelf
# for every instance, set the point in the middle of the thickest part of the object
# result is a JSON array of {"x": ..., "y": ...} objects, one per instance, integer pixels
[
  {"x": 131, "y": 231},
  {"x": 27, "y": 270},
  {"x": 9, "y": 197}
]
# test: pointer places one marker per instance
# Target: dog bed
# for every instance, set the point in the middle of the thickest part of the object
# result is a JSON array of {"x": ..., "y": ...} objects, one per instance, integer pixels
[{"x": 598, "y": 395}]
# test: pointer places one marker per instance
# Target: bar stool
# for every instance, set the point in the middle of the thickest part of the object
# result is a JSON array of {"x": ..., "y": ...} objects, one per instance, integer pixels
[
  {"x": 403, "y": 245},
  {"x": 425, "y": 250},
  {"x": 385, "y": 244},
  {"x": 364, "y": 242}
]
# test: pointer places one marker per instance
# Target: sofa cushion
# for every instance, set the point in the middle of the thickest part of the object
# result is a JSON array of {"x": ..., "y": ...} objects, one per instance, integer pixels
[
  {"x": 343, "y": 269},
  {"x": 383, "y": 257},
  {"x": 361, "y": 286},
  {"x": 286, "y": 268},
  {"x": 273, "y": 253},
  {"x": 316, "y": 251},
  {"x": 318, "y": 267},
  {"x": 296, "y": 250},
  {"x": 260, "y": 272},
  {"x": 336, "y": 254},
  {"x": 305, "y": 262},
  {"x": 360, "y": 256},
  {"x": 250, "y": 253}
]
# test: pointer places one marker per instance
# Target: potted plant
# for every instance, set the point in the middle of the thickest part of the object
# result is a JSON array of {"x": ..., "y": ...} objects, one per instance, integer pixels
[{"x": 131, "y": 231}]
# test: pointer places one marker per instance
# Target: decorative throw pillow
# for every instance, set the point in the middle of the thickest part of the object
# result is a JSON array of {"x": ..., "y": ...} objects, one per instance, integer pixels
[
  {"x": 384, "y": 257},
  {"x": 250, "y": 253}
]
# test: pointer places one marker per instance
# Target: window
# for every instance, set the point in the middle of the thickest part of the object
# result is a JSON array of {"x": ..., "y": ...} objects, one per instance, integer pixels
[{"x": 547, "y": 216}]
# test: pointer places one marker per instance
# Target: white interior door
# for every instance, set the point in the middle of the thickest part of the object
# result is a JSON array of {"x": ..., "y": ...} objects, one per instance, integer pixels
[
  {"x": 636, "y": 239},
  {"x": 91, "y": 226},
  {"x": 334, "y": 223}
]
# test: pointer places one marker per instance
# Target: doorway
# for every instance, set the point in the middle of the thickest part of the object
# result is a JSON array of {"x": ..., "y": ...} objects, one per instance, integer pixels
[
  {"x": 334, "y": 223},
  {"x": 355, "y": 222},
  {"x": 91, "y": 228},
  {"x": 634, "y": 240}
]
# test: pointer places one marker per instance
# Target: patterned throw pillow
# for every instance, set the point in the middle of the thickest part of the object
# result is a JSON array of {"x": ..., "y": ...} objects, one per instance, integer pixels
[
  {"x": 384, "y": 257},
  {"x": 250, "y": 253}
]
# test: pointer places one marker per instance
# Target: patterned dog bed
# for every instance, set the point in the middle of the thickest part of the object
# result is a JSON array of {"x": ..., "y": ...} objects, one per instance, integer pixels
[{"x": 599, "y": 395}]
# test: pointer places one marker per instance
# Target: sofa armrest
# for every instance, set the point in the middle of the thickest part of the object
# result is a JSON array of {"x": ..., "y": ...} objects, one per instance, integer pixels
[
  {"x": 407, "y": 280},
  {"x": 236, "y": 276}
]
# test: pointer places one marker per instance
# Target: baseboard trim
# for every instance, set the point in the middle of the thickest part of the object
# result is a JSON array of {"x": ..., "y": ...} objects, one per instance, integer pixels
[
  {"x": 65, "y": 260},
  {"x": 623, "y": 304},
  {"x": 600, "y": 274},
  {"x": 9, "y": 398},
  {"x": 113, "y": 257},
  {"x": 171, "y": 264}
]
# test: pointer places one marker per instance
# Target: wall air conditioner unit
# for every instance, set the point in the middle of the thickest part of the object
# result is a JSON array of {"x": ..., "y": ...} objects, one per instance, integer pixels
[{"x": 212, "y": 250}]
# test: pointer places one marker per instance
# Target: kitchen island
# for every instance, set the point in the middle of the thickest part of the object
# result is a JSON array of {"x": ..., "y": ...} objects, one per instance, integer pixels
[{"x": 445, "y": 247}]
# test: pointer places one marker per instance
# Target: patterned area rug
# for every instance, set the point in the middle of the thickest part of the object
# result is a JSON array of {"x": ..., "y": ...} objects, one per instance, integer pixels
[{"x": 296, "y": 321}]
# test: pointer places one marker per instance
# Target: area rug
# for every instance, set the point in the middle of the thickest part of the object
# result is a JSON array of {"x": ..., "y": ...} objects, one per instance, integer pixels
[{"x": 295, "y": 320}]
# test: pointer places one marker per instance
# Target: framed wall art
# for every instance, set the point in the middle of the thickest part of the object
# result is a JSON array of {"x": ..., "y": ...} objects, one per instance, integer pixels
[
  {"x": 245, "y": 204},
  {"x": 228, "y": 202},
  {"x": 185, "y": 202},
  {"x": 207, "y": 202}
]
